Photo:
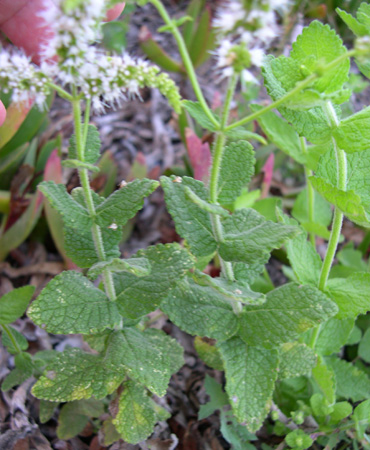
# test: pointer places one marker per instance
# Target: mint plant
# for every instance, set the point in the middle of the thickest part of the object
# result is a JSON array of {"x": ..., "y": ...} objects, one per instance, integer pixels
[{"x": 278, "y": 348}]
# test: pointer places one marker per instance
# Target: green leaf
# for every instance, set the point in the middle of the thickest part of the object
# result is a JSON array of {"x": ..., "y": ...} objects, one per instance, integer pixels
[
  {"x": 333, "y": 335},
  {"x": 47, "y": 410},
  {"x": 322, "y": 213},
  {"x": 280, "y": 133},
  {"x": 361, "y": 417},
  {"x": 296, "y": 360},
  {"x": 74, "y": 416},
  {"x": 87, "y": 375},
  {"x": 232, "y": 289},
  {"x": 208, "y": 353},
  {"x": 364, "y": 347},
  {"x": 136, "y": 418},
  {"x": 110, "y": 432},
  {"x": 203, "y": 205},
  {"x": 347, "y": 201},
  {"x": 358, "y": 166},
  {"x": 341, "y": 410},
  {"x": 298, "y": 439},
  {"x": 73, "y": 214},
  {"x": 352, "y": 383},
  {"x": 149, "y": 357},
  {"x": 15, "y": 378},
  {"x": 305, "y": 261},
  {"x": 280, "y": 75},
  {"x": 136, "y": 266},
  {"x": 137, "y": 296},
  {"x": 351, "y": 294},
  {"x": 218, "y": 398},
  {"x": 76, "y": 164},
  {"x": 19, "y": 338},
  {"x": 317, "y": 46},
  {"x": 79, "y": 243},
  {"x": 236, "y": 433},
  {"x": 250, "y": 379},
  {"x": 123, "y": 204},
  {"x": 196, "y": 111},
  {"x": 70, "y": 304},
  {"x": 355, "y": 336},
  {"x": 236, "y": 171},
  {"x": 248, "y": 237},
  {"x": 325, "y": 379},
  {"x": 201, "y": 310},
  {"x": 192, "y": 223},
  {"x": 14, "y": 304},
  {"x": 92, "y": 147},
  {"x": 353, "y": 133},
  {"x": 289, "y": 311},
  {"x": 358, "y": 28}
]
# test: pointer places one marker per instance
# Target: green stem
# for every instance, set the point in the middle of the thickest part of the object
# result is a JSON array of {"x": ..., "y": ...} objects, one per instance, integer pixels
[
  {"x": 226, "y": 266},
  {"x": 338, "y": 215},
  {"x": 186, "y": 59},
  {"x": 86, "y": 121},
  {"x": 12, "y": 338},
  {"x": 299, "y": 86},
  {"x": 62, "y": 93},
  {"x": 310, "y": 192},
  {"x": 84, "y": 178}
]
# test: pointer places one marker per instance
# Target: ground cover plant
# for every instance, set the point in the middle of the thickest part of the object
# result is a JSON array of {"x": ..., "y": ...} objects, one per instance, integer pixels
[{"x": 279, "y": 348}]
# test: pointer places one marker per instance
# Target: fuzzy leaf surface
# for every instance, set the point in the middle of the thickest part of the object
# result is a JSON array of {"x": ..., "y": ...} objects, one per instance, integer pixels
[
  {"x": 280, "y": 75},
  {"x": 305, "y": 261},
  {"x": 92, "y": 147},
  {"x": 122, "y": 205},
  {"x": 288, "y": 311},
  {"x": 296, "y": 360},
  {"x": 353, "y": 132},
  {"x": 150, "y": 357},
  {"x": 73, "y": 214},
  {"x": 250, "y": 378},
  {"x": 192, "y": 223},
  {"x": 18, "y": 337},
  {"x": 200, "y": 310},
  {"x": 325, "y": 379},
  {"x": 136, "y": 266},
  {"x": 136, "y": 417},
  {"x": 137, "y": 296},
  {"x": 319, "y": 45},
  {"x": 237, "y": 169},
  {"x": 352, "y": 383},
  {"x": 249, "y": 237},
  {"x": 79, "y": 243},
  {"x": 334, "y": 334},
  {"x": 14, "y": 304},
  {"x": 232, "y": 289},
  {"x": 75, "y": 375},
  {"x": 347, "y": 201},
  {"x": 352, "y": 294},
  {"x": 281, "y": 134},
  {"x": 70, "y": 304},
  {"x": 196, "y": 111}
]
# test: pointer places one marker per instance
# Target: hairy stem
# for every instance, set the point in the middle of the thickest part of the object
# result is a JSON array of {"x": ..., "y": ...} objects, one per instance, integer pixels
[
  {"x": 338, "y": 215},
  {"x": 310, "y": 192},
  {"x": 84, "y": 178},
  {"x": 8, "y": 331},
  {"x": 226, "y": 266},
  {"x": 299, "y": 86},
  {"x": 185, "y": 59}
]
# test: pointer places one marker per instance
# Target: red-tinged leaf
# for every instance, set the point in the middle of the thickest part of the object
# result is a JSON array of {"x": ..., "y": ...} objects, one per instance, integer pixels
[
  {"x": 53, "y": 172},
  {"x": 15, "y": 115},
  {"x": 105, "y": 181},
  {"x": 199, "y": 154},
  {"x": 268, "y": 170}
]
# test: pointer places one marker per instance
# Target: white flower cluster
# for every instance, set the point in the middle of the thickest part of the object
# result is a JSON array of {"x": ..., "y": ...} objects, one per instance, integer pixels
[
  {"x": 248, "y": 26},
  {"x": 27, "y": 82},
  {"x": 70, "y": 58}
]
